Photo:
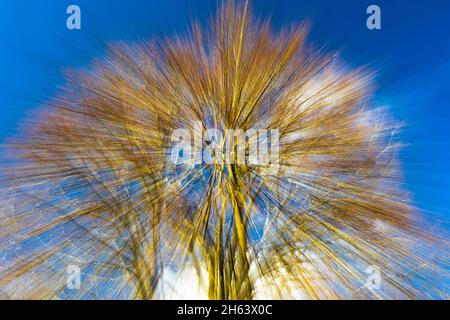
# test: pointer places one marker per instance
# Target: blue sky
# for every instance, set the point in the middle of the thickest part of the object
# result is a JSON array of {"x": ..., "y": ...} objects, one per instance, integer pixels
[{"x": 412, "y": 52}]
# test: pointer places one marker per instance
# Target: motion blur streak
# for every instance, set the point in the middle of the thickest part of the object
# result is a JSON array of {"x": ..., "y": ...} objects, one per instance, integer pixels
[{"x": 91, "y": 182}]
